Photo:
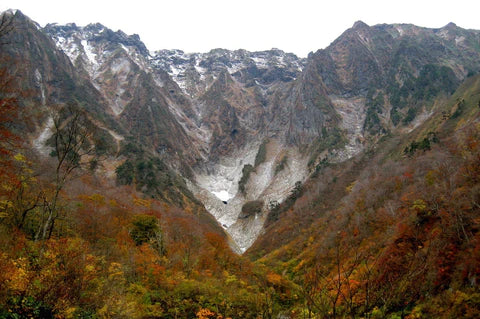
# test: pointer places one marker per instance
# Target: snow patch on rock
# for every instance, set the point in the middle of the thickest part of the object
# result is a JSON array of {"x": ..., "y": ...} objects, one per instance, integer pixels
[
  {"x": 269, "y": 187},
  {"x": 400, "y": 30},
  {"x": 39, "y": 83},
  {"x": 459, "y": 40},
  {"x": 224, "y": 176},
  {"x": 219, "y": 184},
  {"x": 41, "y": 140},
  {"x": 223, "y": 195},
  {"x": 88, "y": 49}
]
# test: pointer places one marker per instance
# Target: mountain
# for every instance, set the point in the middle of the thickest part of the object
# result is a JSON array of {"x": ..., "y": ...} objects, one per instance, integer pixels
[
  {"x": 222, "y": 100},
  {"x": 209, "y": 114},
  {"x": 377, "y": 229},
  {"x": 117, "y": 66},
  {"x": 327, "y": 172},
  {"x": 57, "y": 84}
]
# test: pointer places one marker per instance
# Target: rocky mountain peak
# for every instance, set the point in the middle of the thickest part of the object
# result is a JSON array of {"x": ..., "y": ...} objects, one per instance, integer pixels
[
  {"x": 94, "y": 32},
  {"x": 450, "y": 25},
  {"x": 195, "y": 72},
  {"x": 95, "y": 27},
  {"x": 17, "y": 14},
  {"x": 10, "y": 11},
  {"x": 19, "y": 18},
  {"x": 359, "y": 25}
]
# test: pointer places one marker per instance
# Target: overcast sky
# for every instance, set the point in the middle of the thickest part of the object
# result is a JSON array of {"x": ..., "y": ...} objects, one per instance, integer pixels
[{"x": 297, "y": 26}]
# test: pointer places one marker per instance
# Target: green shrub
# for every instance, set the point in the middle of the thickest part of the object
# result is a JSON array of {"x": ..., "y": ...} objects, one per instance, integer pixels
[
  {"x": 281, "y": 165},
  {"x": 395, "y": 116},
  {"x": 251, "y": 208},
  {"x": 125, "y": 173},
  {"x": 261, "y": 154},
  {"x": 412, "y": 112},
  {"x": 144, "y": 228},
  {"x": 247, "y": 169}
]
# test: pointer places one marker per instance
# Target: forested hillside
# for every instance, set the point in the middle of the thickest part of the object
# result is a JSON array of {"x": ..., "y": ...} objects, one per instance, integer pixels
[
  {"x": 349, "y": 181},
  {"x": 394, "y": 233},
  {"x": 77, "y": 245}
]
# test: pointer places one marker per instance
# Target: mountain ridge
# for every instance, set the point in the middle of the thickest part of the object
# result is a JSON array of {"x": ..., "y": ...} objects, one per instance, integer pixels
[
  {"x": 236, "y": 184},
  {"x": 198, "y": 111}
]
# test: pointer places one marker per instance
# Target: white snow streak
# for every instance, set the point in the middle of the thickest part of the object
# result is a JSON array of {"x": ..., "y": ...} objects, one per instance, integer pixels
[
  {"x": 39, "y": 142},
  {"x": 223, "y": 195},
  {"x": 88, "y": 49}
]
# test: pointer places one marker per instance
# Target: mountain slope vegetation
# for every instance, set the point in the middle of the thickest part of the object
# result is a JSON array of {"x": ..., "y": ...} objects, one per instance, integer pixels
[
  {"x": 398, "y": 233},
  {"x": 349, "y": 179}
]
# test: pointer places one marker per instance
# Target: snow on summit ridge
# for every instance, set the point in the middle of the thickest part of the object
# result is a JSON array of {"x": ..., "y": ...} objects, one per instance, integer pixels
[
  {"x": 186, "y": 68},
  {"x": 193, "y": 72}
]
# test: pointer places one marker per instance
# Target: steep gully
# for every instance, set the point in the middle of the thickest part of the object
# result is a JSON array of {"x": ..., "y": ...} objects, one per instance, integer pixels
[{"x": 245, "y": 79}]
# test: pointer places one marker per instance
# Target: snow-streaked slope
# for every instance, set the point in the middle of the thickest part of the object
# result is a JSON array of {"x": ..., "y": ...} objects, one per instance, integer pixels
[
  {"x": 195, "y": 72},
  {"x": 264, "y": 184},
  {"x": 109, "y": 58},
  {"x": 114, "y": 63}
]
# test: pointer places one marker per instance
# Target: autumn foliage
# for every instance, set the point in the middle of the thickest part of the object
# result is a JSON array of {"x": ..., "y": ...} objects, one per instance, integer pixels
[
  {"x": 402, "y": 242},
  {"x": 391, "y": 233}
]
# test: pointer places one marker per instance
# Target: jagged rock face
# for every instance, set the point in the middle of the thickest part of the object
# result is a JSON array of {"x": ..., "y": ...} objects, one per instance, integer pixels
[
  {"x": 195, "y": 72},
  {"x": 46, "y": 72},
  {"x": 206, "y": 108},
  {"x": 365, "y": 57},
  {"x": 211, "y": 112},
  {"x": 139, "y": 97},
  {"x": 397, "y": 70},
  {"x": 304, "y": 109},
  {"x": 233, "y": 92},
  {"x": 221, "y": 98}
]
